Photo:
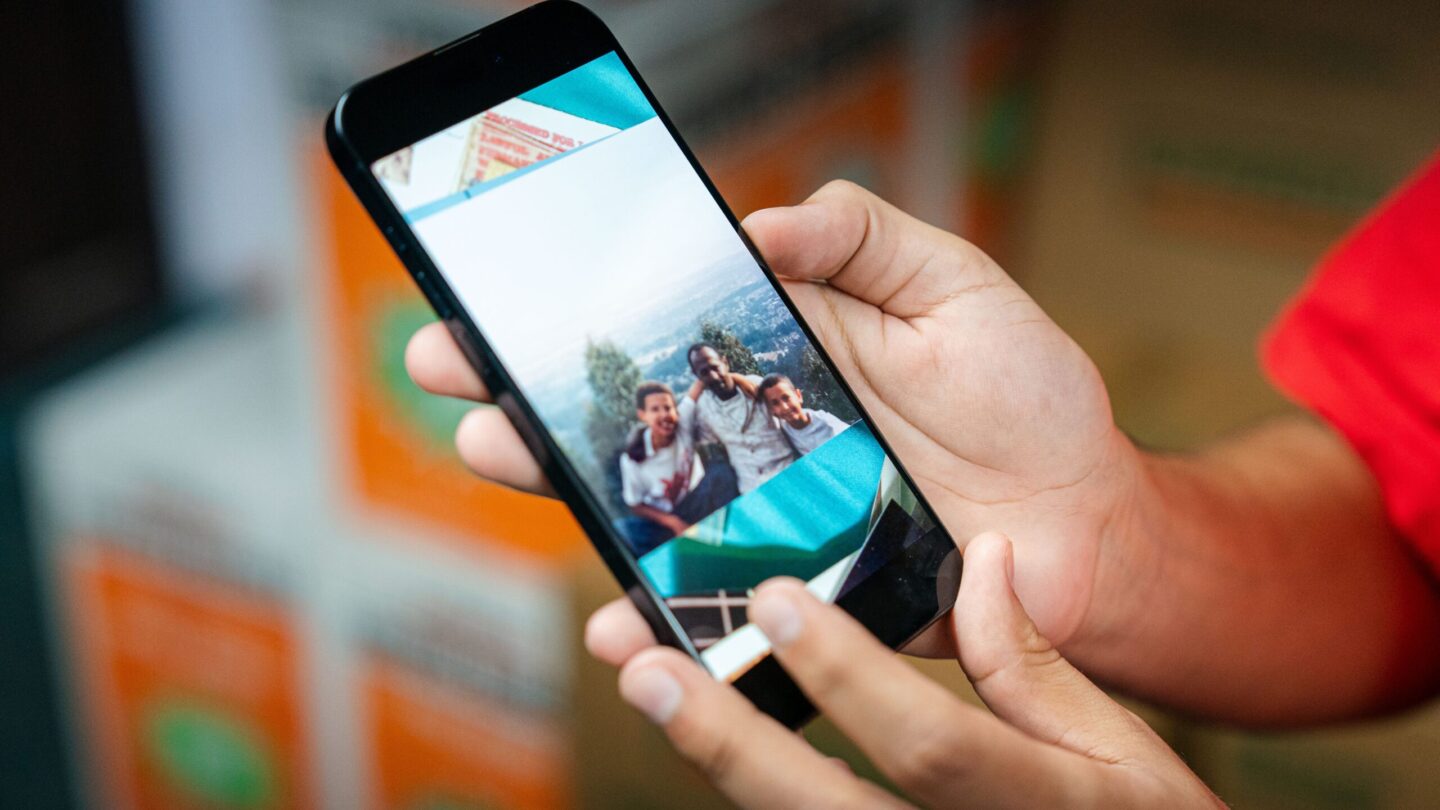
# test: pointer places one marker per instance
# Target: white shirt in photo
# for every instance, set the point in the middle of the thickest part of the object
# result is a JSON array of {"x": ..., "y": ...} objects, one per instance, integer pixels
[
  {"x": 646, "y": 482},
  {"x": 751, "y": 436},
  {"x": 823, "y": 426}
]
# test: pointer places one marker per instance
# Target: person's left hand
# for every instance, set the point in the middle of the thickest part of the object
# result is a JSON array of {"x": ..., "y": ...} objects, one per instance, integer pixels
[{"x": 1055, "y": 740}]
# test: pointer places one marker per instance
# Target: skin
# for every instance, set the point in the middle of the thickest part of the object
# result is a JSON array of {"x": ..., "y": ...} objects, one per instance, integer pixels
[
  {"x": 786, "y": 402},
  {"x": 661, "y": 416},
  {"x": 713, "y": 372},
  {"x": 1054, "y": 738},
  {"x": 738, "y": 381},
  {"x": 746, "y": 387},
  {"x": 1255, "y": 581}
]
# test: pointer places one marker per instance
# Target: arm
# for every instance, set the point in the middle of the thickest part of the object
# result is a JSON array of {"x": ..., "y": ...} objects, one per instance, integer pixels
[
  {"x": 747, "y": 386},
  {"x": 686, "y": 411},
  {"x": 1258, "y": 581},
  {"x": 665, "y": 519},
  {"x": 1053, "y": 740},
  {"x": 693, "y": 425}
]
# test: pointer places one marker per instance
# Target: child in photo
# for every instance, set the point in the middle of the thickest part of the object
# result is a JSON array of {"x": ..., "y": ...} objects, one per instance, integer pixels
[
  {"x": 806, "y": 429},
  {"x": 663, "y": 481}
]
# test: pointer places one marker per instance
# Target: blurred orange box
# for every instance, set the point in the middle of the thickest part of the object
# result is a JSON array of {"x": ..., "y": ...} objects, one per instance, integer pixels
[
  {"x": 192, "y": 685},
  {"x": 393, "y": 444},
  {"x": 436, "y": 744}
]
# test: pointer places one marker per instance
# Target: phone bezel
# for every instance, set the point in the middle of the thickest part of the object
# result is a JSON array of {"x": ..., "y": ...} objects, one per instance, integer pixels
[{"x": 400, "y": 107}]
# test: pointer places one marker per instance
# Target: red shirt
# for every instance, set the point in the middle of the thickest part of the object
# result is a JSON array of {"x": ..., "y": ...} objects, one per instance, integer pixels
[{"x": 1360, "y": 345}]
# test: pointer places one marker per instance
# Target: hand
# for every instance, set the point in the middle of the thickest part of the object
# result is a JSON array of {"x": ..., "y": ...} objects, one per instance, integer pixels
[
  {"x": 674, "y": 486},
  {"x": 1055, "y": 740},
  {"x": 746, "y": 387},
  {"x": 1001, "y": 418},
  {"x": 676, "y": 526}
]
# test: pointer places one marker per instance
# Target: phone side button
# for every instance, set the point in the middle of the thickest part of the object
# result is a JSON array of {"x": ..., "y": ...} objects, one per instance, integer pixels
[{"x": 432, "y": 294}]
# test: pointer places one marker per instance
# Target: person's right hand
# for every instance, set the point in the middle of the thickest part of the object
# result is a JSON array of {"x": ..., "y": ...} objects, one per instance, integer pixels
[
  {"x": 1000, "y": 417},
  {"x": 1055, "y": 739}
]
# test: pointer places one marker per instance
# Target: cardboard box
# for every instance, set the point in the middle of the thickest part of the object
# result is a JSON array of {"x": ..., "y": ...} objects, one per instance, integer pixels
[
  {"x": 460, "y": 680},
  {"x": 228, "y": 638},
  {"x": 172, "y": 557},
  {"x": 392, "y": 445},
  {"x": 1389, "y": 764},
  {"x": 203, "y": 598},
  {"x": 191, "y": 683},
  {"x": 1194, "y": 160}
]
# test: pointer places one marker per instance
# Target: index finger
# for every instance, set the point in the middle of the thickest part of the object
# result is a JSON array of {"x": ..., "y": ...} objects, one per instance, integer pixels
[
  {"x": 938, "y": 749},
  {"x": 754, "y": 761}
]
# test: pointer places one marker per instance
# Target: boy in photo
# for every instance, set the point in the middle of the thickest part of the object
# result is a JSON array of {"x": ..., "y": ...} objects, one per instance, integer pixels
[
  {"x": 662, "y": 481},
  {"x": 805, "y": 428}
]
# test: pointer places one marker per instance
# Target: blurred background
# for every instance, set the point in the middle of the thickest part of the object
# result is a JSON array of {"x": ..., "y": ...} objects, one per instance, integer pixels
[{"x": 240, "y": 564}]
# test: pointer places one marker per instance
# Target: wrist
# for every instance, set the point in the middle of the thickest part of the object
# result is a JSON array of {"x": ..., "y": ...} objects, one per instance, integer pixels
[{"x": 1129, "y": 566}]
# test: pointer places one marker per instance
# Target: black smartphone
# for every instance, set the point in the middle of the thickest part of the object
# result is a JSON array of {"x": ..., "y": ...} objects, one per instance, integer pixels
[{"x": 589, "y": 270}]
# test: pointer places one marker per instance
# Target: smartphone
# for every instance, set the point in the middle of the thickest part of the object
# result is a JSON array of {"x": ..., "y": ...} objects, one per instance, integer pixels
[{"x": 589, "y": 270}]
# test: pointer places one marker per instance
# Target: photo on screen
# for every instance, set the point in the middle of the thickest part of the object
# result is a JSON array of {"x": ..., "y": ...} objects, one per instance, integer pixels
[{"x": 655, "y": 350}]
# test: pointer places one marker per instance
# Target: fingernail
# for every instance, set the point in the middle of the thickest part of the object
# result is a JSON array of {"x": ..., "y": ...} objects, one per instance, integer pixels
[
  {"x": 654, "y": 692},
  {"x": 777, "y": 616},
  {"x": 1010, "y": 562}
]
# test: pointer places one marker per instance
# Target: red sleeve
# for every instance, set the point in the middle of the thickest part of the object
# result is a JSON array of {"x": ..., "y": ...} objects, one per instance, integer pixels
[{"x": 1360, "y": 346}]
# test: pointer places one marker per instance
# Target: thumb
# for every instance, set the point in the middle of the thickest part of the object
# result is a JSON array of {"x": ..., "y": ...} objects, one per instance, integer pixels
[
  {"x": 1019, "y": 673},
  {"x": 870, "y": 250}
]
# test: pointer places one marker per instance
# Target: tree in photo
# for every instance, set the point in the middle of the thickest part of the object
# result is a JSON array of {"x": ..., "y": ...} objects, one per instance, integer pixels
[
  {"x": 737, "y": 354},
  {"x": 610, "y": 416},
  {"x": 822, "y": 393}
]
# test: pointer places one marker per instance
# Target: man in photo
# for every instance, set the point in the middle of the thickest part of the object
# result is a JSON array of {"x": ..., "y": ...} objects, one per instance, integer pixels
[
  {"x": 805, "y": 428},
  {"x": 662, "y": 481},
  {"x": 726, "y": 413}
]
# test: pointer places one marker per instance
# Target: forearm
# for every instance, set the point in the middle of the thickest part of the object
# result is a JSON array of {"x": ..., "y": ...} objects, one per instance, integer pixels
[
  {"x": 653, "y": 514},
  {"x": 1258, "y": 582}
]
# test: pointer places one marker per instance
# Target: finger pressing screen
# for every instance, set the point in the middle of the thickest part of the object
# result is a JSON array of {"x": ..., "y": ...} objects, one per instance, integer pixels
[
  {"x": 1022, "y": 677},
  {"x": 754, "y": 761},
  {"x": 936, "y": 748}
]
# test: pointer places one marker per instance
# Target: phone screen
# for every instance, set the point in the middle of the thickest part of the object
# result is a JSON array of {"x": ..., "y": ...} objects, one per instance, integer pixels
[{"x": 655, "y": 350}]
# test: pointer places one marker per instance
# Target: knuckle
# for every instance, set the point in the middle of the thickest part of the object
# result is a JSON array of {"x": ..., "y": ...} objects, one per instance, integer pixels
[
  {"x": 841, "y": 187},
  {"x": 931, "y": 759},
  {"x": 828, "y": 669},
  {"x": 853, "y": 799},
  {"x": 1034, "y": 658},
  {"x": 824, "y": 678},
  {"x": 713, "y": 747}
]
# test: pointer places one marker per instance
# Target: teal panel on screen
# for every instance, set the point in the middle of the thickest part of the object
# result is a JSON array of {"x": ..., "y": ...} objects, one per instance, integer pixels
[
  {"x": 797, "y": 524},
  {"x": 601, "y": 91}
]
